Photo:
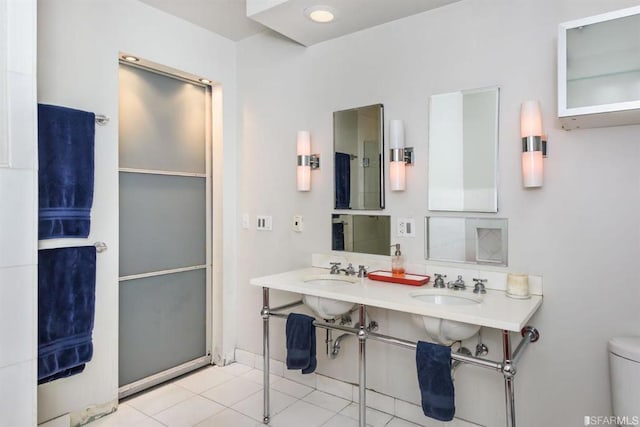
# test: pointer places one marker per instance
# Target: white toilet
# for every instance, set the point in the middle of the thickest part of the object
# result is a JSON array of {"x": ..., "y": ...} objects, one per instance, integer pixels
[{"x": 624, "y": 369}]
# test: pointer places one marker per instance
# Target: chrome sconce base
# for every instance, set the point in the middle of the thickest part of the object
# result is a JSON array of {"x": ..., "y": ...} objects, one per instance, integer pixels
[
  {"x": 312, "y": 160},
  {"x": 405, "y": 155},
  {"x": 534, "y": 143}
]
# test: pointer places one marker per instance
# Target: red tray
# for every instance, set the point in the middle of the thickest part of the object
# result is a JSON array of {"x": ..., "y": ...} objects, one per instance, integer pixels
[{"x": 405, "y": 279}]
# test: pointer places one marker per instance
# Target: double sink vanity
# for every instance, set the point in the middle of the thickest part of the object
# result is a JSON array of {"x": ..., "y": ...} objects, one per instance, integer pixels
[
  {"x": 332, "y": 295},
  {"x": 448, "y": 315}
]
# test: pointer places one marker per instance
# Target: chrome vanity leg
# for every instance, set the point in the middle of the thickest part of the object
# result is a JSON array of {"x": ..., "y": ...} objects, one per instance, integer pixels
[
  {"x": 362, "y": 387},
  {"x": 265, "y": 353},
  {"x": 508, "y": 371}
]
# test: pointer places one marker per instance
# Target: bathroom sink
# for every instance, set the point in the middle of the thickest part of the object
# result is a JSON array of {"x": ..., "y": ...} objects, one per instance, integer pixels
[
  {"x": 446, "y": 331},
  {"x": 446, "y": 297},
  {"x": 328, "y": 308},
  {"x": 330, "y": 279}
]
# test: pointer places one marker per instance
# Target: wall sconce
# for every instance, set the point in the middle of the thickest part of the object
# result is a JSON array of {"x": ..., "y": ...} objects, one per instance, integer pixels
[
  {"x": 399, "y": 156},
  {"x": 534, "y": 144},
  {"x": 306, "y": 160}
]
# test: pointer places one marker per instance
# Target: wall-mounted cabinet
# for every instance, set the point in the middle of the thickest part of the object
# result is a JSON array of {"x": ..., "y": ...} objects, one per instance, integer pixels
[{"x": 599, "y": 70}]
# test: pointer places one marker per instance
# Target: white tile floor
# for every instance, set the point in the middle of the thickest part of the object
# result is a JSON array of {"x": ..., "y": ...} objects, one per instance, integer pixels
[{"x": 231, "y": 396}]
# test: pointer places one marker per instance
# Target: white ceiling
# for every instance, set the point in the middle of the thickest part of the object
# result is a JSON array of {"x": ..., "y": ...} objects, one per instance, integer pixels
[
  {"x": 225, "y": 17},
  {"x": 229, "y": 17}
]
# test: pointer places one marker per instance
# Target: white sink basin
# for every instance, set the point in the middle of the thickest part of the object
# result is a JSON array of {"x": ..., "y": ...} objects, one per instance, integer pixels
[
  {"x": 441, "y": 298},
  {"x": 330, "y": 279},
  {"x": 328, "y": 308},
  {"x": 446, "y": 331}
]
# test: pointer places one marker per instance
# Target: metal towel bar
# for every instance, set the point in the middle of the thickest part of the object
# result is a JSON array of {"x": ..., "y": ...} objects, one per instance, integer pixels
[{"x": 101, "y": 119}]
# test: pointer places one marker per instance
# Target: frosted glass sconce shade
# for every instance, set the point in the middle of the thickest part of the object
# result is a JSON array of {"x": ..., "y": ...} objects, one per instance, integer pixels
[
  {"x": 397, "y": 175},
  {"x": 399, "y": 156},
  {"x": 306, "y": 161},
  {"x": 533, "y": 146},
  {"x": 532, "y": 169}
]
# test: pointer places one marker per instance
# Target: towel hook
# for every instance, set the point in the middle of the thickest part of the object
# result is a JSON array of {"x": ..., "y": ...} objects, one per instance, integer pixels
[
  {"x": 101, "y": 119},
  {"x": 100, "y": 247}
]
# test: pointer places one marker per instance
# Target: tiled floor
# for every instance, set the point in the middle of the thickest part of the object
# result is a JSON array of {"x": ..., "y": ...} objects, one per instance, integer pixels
[{"x": 231, "y": 396}]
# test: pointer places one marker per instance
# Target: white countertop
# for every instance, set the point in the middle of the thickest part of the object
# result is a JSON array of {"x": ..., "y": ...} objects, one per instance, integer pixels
[{"x": 495, "y": 311}]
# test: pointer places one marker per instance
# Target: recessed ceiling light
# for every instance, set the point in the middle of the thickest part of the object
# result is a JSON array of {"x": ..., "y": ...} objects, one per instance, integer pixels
[
  {"x": 321, "y": 14},
  {"x": 205, "y": 81},
  {"x": 130, "y": 58}
]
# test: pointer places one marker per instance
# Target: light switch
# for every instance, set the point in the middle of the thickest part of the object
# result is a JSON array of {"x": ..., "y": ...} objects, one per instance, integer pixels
[
  {"x": 263, "y": 222},
  {"x": 406, "y": 227}
]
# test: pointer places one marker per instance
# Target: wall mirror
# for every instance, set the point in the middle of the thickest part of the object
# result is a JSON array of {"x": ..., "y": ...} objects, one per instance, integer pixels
[
  {"x": 463, "y": 151},
  {"x": 367, "y": 234},
  {"x": 358, "y": 158},
  {"x": 471, "y": 240}
]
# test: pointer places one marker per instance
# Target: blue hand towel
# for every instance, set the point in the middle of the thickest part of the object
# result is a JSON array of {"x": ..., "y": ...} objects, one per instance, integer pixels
[
  {"x": 301, "y": 343},
  {"x": 66, "y": 304},
  {"x": 434, "y": 377},
  {"x": 343, "y": 180},
  {"x": 66, "y": 171},
  {"x": 337, "y": 236}
]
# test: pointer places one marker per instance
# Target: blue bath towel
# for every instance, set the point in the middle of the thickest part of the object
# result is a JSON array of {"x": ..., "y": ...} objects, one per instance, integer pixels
[
  {"x": 66, "y": 171},
  {"x": 434, "y": 377},
  {"x": 66, "y": 305},
  {"x": 301, "y": 343},
  {"x": 343, "y": 180},
  {"x": 337, "y": 236}
]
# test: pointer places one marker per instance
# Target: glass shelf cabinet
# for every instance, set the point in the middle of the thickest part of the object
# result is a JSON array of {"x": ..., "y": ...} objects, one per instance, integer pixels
[{"x": 599, "y": 70}]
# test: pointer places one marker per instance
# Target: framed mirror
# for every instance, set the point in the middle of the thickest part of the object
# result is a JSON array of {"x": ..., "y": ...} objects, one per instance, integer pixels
[
  {"x": 366, "y": 234},
  {"x": 358, "y": 158},
  {"x": 470, "y": 240},
  {"x": 463, "y": 151}
]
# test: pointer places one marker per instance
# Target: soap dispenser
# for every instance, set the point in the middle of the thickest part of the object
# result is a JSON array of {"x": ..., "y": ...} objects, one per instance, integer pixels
[{"x": 397, "y": 262}]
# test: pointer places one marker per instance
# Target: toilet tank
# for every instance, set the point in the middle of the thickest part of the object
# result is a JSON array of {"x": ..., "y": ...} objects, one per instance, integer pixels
[{"x": 624, "y": 369}]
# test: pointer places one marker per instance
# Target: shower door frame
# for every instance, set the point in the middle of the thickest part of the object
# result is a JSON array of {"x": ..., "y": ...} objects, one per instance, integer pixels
[{"x": 207, "y": 359}]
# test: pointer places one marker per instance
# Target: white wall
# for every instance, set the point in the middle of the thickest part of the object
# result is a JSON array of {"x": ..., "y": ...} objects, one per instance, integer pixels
[
  {"x": 78, "y": 44},
  {"x": 18, "y": 215},
  {"x": 580, "y": 231}
]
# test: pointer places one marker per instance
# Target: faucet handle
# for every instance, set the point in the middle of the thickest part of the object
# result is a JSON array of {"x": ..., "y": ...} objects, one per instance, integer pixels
[
  {"x": 362, "y": 271},
  {"x": 439, "y": 281},
  {"x": 334, "y": 267},
  {"x": 478, "y": 286}
]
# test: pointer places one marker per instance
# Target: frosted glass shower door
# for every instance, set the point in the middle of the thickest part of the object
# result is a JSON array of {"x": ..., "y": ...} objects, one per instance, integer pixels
[{"x": 164, "y": 222}]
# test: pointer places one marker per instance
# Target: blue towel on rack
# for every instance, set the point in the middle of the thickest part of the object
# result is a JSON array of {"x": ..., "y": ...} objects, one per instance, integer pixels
[
  {"x": 66, "y": 171},
  {"x": 301, "y": 343},
  {"x": 434, "y": 377},
  {"x": 66, "y": 305},
  {"x": 343, "y": 180},
  {"x": 337, "y": 236}
]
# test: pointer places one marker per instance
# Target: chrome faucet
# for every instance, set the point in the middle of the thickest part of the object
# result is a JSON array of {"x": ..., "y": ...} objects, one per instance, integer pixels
[
  {"x": 362, "y": 271},
  {"x": 439, "y": 282},
  {"x": 457, "y": 285},
  {"x": 335, "y": 267},
  {"x": 478, "y": 286},
  {"x": 349, "y": 271}
]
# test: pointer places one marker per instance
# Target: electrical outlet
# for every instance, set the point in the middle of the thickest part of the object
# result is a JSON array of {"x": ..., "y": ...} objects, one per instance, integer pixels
[
  {"x": 264, "y": 222},
  {"x": 245, "y": 221},
  {"x": 406, "y": 227},
  {"x": 297, "y": 224}
]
